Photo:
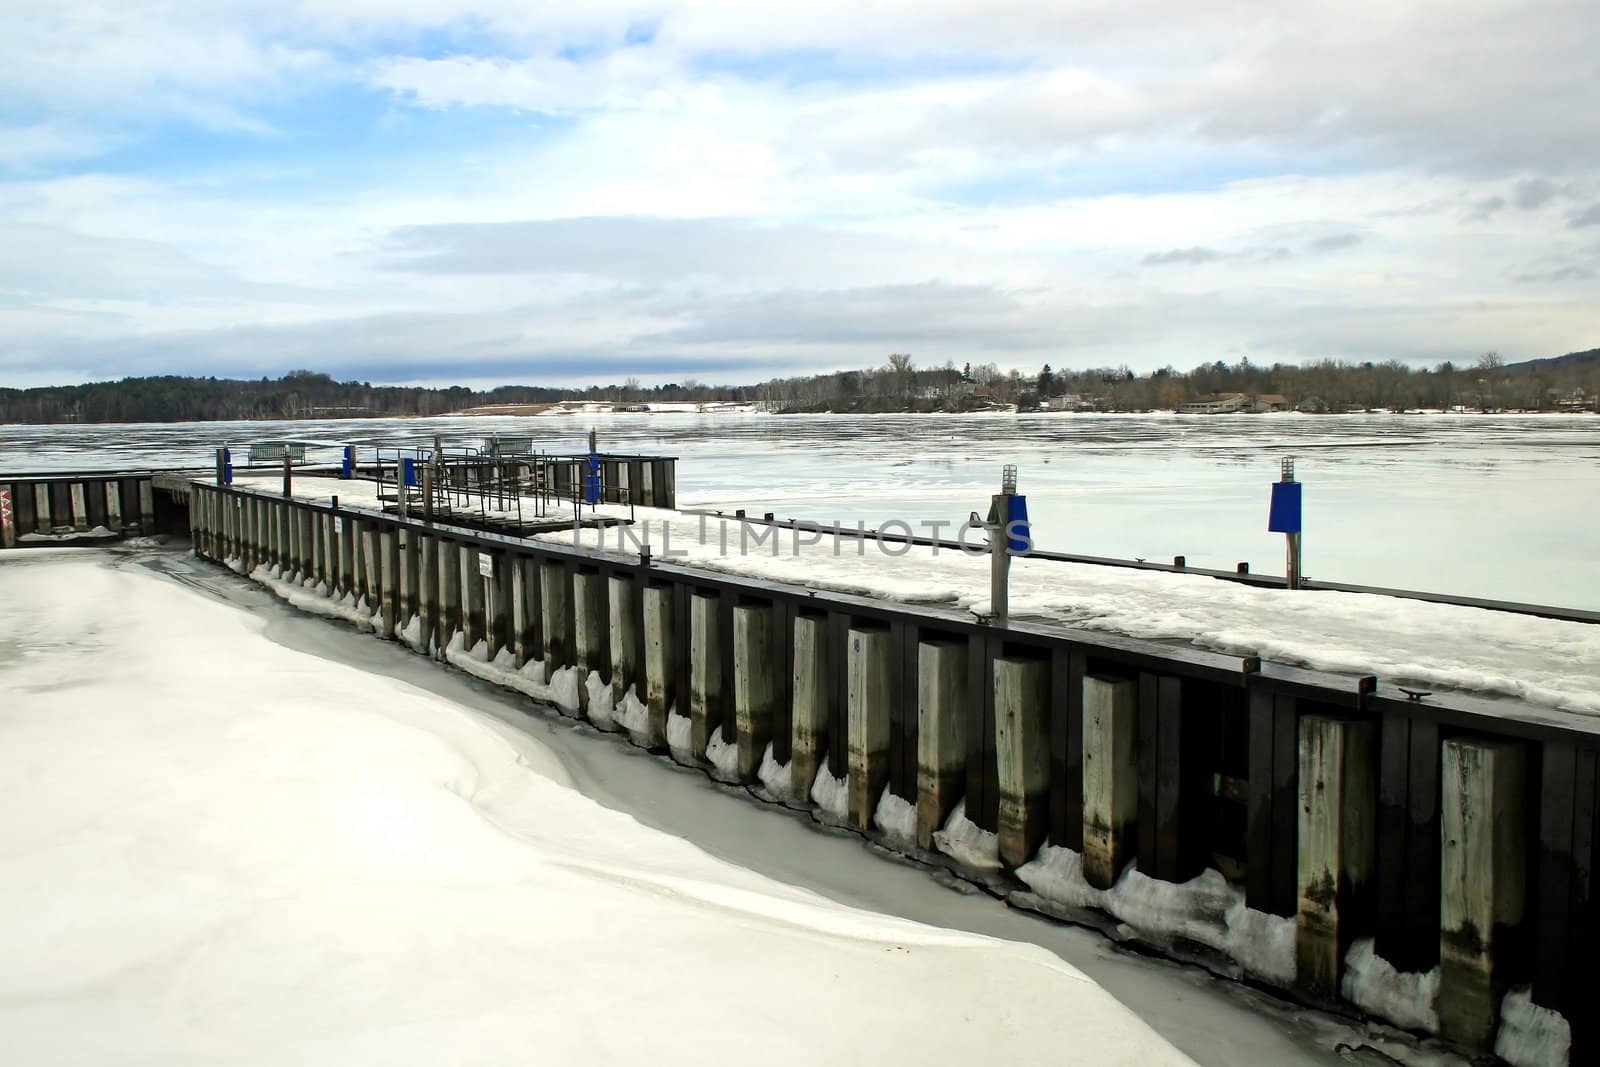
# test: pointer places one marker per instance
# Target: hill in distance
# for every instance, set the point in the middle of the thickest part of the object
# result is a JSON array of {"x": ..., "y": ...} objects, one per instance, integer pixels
[{"x": 1570, "y": 360}]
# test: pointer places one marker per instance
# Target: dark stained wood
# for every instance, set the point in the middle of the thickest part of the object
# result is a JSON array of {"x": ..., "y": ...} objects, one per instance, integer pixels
[
  {"x": 1067, "y": 668},
  {"x": 23, "y": 515},
  {"x": 1391, "y": 877},
  {"x": 725, "y": 604},
  {"x": 1423, "y": 848},
  {"x": 1258, "y": 830},
  {"x": 678, "y": 697},
  {"x": 61, "y": 504},
  {"x": 94, "y": 495},
  {"x": 983, "y": 774},
  {"x": 838, "y": 685},
  {"x": 783, "y": 616},
  {"x": 1554, "y": 870}
]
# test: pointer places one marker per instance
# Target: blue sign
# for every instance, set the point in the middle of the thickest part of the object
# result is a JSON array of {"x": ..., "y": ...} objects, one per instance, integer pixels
[
  {"x": 1284, "y": 515},
  {"x": 591, "y": 481},
  {"x": 227, "y": 467},
  {"x": 1019, "y": 531},
  {"x": 408, "y": 470},
  {"x": 347, "y": 470},
  {"x": 1014, "y": 523}
]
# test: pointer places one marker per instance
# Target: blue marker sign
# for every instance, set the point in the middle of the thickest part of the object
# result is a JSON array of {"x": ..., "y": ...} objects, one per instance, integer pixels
[{"x": 1284, "y": 515}]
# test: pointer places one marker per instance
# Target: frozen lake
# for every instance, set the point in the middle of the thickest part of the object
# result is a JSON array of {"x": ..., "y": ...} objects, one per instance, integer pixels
[{"x": 1493, "y": 506}]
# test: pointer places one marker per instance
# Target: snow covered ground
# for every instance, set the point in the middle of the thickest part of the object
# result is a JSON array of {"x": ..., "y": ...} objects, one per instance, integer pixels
[
  {"x": 1540, "y": 660},
  {"x": 213, "y": 848}
]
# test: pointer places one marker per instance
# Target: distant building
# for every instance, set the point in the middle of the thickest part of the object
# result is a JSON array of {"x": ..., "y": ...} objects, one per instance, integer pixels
[
  {"x": 1272, "y": 402},
  {"x": 1216, "y": 404},
  {"x": 1314, "y": 405},
  {"x": 1575, "y": 400},
  {"x": 1068, "y": 402}
]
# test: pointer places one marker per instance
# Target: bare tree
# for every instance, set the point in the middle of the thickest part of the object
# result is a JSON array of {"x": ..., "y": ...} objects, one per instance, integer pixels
[
  {"x": 900, "y": 368},
  {"x": 1488, "y": 367}
]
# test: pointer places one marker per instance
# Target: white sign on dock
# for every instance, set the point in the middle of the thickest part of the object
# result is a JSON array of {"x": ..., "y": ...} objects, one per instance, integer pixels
[{"x": 486, "y": 564}]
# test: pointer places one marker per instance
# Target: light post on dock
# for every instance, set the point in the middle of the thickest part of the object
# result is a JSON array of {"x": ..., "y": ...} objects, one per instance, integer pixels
[
  {"x": 1008, "y": 533},
  {"x": 1284, "y": 516}
]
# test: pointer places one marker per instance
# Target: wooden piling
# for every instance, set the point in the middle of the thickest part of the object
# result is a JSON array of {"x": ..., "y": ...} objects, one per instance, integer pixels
[
  {"x": 867, "y": 703},
  {"x": 1110, "y": 777},
  {"x": 474, "y": 607},
  {"x": 497, "y": 596},
  {"x": 808, "y": 744},
  {"x": 1338, "y": 811},
  {"x": 525, "y": 611},
  {"x": 659, "y": 662},
  {"x": 402, "y": 565},
  {"x": 555, "y": 599},
  {"x": 79, "y": 507},
  {"x": 753, "y": 685},
  {"x": 1483, "y": 882},
  {"x": 622, "y": 636},
  {"x": 426, "y": 590},
  {"x": 349, "y": 555},
  {"x": 941, "y": 733},
  {"x": 705, "y": 670},
  {"x": 1022, "y": 751},
  {"x": 590, "y": 646},
  {"x": 372, "y": 583}
]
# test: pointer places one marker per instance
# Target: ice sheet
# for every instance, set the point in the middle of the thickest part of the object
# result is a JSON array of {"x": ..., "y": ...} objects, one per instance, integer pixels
[{"x": 217, "y": 849}]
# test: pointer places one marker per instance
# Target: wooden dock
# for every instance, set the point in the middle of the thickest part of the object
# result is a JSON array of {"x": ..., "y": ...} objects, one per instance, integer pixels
[{"x": 1457, "y": 833}]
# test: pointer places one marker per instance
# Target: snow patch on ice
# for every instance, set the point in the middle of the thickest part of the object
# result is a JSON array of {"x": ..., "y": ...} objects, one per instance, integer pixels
[
  {"x": 634, "y": 717},
  {"x": 411, "y": 633},
  {"x": 601, "y": 713},
  {"x": 309, "y": 601},
  {"x": 563, "y": 689},
  {"x": 680, "y": 737},
  {"x": 777, "y": 778},
  {"x": 1404, "y": 998},
  {"x": 723, "y": 757},
  {"x": 502, "y": 671},
  {"x": 1531, "y": 1036},
  {"x": 967, "y": 843},
  {"x": 1205, "y": 910},
  {"x": 830, "y": 794},
  {"x": 897, "y": 818}
]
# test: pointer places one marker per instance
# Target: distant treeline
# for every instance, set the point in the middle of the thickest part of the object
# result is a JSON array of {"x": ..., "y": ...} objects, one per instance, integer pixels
[{"x": 1568, "y": 382}]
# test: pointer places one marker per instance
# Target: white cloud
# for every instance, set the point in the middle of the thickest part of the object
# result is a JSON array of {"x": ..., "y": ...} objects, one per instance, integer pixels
[{"x": 796, "y": 185}]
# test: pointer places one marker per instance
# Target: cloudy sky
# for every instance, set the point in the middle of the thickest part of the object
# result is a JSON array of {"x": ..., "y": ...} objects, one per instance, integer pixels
[{"x": 485, "y": 191}]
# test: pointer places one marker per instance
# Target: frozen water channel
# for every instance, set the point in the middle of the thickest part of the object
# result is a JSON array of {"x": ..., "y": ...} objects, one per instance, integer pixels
[
  {"x": 236, "y": 832},
  {"x": 1491, "y": 506}
]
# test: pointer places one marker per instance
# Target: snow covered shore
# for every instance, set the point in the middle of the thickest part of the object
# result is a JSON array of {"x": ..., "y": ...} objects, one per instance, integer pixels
[{"x": 213, "y": 848}]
